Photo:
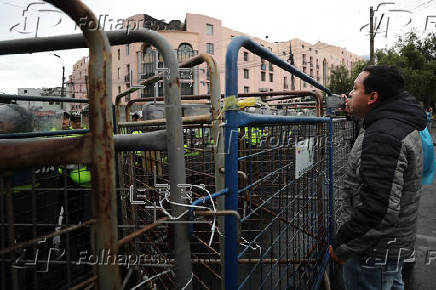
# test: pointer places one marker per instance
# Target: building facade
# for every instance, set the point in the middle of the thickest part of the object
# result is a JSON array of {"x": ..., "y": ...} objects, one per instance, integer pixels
[{"x": 134, "y": 62}]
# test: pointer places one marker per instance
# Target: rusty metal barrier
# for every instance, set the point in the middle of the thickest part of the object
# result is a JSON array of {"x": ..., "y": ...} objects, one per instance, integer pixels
[
  {"x": 283, "y": 95},
  {"x": 174, "y": 138},
  {"x": 98, "y": 154},
  {"x": 148, "y": 170}
]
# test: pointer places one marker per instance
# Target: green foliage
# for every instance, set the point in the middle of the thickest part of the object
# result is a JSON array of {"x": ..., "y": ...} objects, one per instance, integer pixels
[
  {"x": 341, "y": 80},
  {"x": 416, "y": 58}
]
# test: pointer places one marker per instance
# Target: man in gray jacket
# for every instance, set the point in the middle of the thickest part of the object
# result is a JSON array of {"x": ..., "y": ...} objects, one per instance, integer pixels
[{"x": 383, "y": 182}]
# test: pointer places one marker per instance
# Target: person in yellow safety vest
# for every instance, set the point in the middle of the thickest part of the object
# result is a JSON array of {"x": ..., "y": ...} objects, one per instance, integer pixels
[
  {"x": 79, "y": 173},
  {"x": 136, "y": 117},
  {"x": 76, "y": 122},
  {"x": 23, "y": 182},
  {"x": 253, "y": 135},
  {"x": 188, "y": 153}
]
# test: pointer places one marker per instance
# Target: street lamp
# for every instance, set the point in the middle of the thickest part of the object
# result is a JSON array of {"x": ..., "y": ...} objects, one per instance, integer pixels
[{"x": 63, "y": 78}]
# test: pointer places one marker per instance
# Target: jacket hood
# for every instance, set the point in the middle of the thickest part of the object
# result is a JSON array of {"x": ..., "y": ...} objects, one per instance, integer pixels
[{"x": 402, "y": 107}]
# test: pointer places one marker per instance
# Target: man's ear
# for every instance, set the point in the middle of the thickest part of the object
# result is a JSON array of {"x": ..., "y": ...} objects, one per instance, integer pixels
[{"x": 373, "y": 98}]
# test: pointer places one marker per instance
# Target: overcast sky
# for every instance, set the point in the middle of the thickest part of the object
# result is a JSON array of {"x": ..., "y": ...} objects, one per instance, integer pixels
[{"x": 336, "y": 22}]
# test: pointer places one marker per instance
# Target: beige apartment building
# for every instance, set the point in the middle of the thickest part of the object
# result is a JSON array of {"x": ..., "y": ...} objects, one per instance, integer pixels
[{"x": 134, "y": 62}]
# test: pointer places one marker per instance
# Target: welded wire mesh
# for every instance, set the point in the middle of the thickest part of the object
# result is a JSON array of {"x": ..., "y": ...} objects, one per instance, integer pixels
[
  {"x": 35, "y": 203},
  {"x": 144, "y": 175},
  {"x": 283, "y": 204},
  {"x": 344, "y": 134}
]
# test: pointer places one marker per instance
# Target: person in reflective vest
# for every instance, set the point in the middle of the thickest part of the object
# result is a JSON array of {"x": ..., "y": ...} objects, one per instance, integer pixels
[{"x": 79, "y": 173}]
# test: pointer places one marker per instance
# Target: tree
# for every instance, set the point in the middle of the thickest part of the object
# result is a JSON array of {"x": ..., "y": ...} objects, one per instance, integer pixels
[
  {"x": 341, "y": 80},
  {"x": 416, "y": 58}
]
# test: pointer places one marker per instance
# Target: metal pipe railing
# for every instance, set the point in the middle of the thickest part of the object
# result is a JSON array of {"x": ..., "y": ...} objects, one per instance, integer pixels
[
  {"x": 235, "y": 119},
  {"x": 173, "y": 110},
  {"x": 100, "y": 139},
  {"x": 9, "y": 97}
]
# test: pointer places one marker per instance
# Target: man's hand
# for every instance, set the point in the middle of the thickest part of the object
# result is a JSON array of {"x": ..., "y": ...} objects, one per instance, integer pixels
[
  {"x": 334, "y": 257},
  {"x": 348, "y": 106}
]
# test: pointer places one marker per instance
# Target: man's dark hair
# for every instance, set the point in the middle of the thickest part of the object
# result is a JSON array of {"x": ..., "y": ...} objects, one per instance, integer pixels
[{"x": 387, "y": 81}]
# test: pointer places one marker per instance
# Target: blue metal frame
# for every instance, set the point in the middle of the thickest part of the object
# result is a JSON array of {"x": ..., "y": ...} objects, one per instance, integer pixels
[
  {"x": 203, "y": 200},
  {"x": 232, "y": 67},
  {"x": 235, "y": 119}
]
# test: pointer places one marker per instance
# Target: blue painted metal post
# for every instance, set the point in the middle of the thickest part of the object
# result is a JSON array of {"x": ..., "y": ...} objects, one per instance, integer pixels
[
  {"x": 231, "y": 142},
  {"x": 231, "y": 167}
]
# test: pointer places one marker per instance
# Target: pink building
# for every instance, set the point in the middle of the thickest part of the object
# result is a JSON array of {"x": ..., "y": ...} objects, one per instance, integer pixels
[{"x": 203, "y": 34}]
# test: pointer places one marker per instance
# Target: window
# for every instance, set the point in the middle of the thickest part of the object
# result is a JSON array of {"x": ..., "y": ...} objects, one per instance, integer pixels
[
  {"x": 271, "y": 66},
  {"x": 128, "y": 73},
  {"x": 118, "y": 53},
  {"x": 271, "y": 77},
  {"x": 25, "y": 91},
  {"x": 246, "y": 74},
  {"x": 262, "y": 64},
  {"x": 246, "y": 90},
  {"x": 118, "y": 73},
  {"x": 302, "y": 46},
  {"x": 285, "y": 82},
  {"x": 119, "y": 90},
  {"x": 245, "y": 56},
  {"x": 184, "y": 52},
  {"x": 310, "y": 49},
  {"x": 262, "y": 76},
  {"x": 304, "y": 85},
  {"x": 304, "y": 59},
  {"x": 209, "y": 48},
  {"x": 209, "y": 29},
  {"x": 316, "y": 51},
  {"x": 127, "y": 49}
]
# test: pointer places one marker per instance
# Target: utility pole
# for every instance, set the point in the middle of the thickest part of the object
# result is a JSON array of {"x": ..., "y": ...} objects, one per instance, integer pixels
[
  {"x": 371, "y": 36},
  {"x": 63, "y": 82},
  {"x": 63, "y": 79},
  {"x": 291, "y": 62}
]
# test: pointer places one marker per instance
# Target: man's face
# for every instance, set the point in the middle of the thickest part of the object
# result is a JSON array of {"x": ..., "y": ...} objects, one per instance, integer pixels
[
  {"x": 360, "y": 102},
  {"x": 65, "y": 123}
]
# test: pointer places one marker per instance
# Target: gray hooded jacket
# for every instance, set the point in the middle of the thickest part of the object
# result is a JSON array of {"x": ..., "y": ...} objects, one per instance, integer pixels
[{"x": 383, "y": 183}]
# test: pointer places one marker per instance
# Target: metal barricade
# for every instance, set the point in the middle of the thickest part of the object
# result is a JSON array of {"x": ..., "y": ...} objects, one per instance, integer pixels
[
  {"x": 146, "y": 173},
  {"x": 286, "y": 200},
  {"x": 95, "y": 150}
]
